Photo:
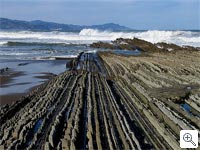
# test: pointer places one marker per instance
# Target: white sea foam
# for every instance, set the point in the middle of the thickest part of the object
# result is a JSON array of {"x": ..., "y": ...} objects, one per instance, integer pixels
[
  {"x": 43, "y": 58},
  {"x": 13, "y": 53},
  {"x": 92, "y": 51},
  {"x": 65, "y": 56},
  {"x": 55, "y": 57},
  {"x": 3, "y": 42},
  {"x": 87, "y": 36}
]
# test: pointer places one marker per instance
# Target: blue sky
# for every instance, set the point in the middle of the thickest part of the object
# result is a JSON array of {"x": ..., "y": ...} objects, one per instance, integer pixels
[{"x": 136, "y": 14}]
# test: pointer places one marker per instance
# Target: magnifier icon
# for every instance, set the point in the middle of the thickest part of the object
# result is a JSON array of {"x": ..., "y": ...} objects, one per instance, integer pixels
[{"x": 187, "y": 137}]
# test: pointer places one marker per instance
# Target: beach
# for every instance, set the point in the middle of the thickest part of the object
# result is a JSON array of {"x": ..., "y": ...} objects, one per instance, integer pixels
[
  {"x": 19, "y": 77},
  {"x": 99, "y": 75},
  {"x": 110, "y": 100}
]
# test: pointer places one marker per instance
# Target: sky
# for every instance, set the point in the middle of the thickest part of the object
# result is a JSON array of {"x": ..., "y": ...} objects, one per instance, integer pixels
[{"x": 136, "y": 14}]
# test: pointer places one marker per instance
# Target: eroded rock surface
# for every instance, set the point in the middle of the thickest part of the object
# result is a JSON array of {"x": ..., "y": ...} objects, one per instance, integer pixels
[
  {"x": 108, "y": 101},
  {"x": 135, "y": 43}
]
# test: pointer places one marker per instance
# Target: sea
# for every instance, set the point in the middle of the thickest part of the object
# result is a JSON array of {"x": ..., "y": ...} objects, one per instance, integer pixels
[
  {"x": 37, "y": 53},
  {"x": 50, "y": 45}
]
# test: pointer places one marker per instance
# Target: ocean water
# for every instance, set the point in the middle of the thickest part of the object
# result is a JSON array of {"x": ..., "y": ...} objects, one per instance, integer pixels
[
  {"x": 32, "y": 71},
  {"x": 39, "y": 50},
  {"x": 48, "y": 45}
]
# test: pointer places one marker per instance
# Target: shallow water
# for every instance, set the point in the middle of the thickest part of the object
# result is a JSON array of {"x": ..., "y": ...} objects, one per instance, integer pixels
[
  {"x": 37, "y": 125},
  {"x": 127, "y": 52},
  {"x": 39, "y": 51},
  {"x": 35, "y": 129},
  {"x": 28, "y": 79},
  {"x": 186, "y": 107}
]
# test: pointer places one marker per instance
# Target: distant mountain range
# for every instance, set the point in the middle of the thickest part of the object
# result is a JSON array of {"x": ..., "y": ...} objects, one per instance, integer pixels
[{"x": 38, "y": 25}]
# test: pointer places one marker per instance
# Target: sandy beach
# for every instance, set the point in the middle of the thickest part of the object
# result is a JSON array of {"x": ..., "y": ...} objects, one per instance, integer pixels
[{"x": 21, "y": 77}]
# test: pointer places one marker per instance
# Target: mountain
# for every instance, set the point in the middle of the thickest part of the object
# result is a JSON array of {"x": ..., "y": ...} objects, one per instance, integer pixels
[{"x": 38, "y": 25}]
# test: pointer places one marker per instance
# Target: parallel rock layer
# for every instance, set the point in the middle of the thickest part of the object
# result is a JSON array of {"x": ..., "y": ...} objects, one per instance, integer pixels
[{"x": 108, "y": 101}]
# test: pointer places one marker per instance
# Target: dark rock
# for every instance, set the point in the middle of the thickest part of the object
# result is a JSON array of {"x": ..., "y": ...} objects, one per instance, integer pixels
[
  {"x": 168, "y": 47},
  {"x": 142, "y": 45},
  {"x": 4, "y": 70},
  {"x": 127, "y": 44},
  {"x": 23, "y": 64},
  {"x": 103, "y": 45}
]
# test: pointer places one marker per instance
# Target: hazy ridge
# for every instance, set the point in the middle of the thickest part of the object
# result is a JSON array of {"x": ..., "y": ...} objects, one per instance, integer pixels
[{"x": 38, "y": 25}]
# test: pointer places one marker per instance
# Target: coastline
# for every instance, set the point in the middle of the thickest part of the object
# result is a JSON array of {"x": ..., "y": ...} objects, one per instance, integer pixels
[
  {"x": 20, "y": 80},
  {"x": 107, "y": 100},
  {"x": 8, "y": 76}
]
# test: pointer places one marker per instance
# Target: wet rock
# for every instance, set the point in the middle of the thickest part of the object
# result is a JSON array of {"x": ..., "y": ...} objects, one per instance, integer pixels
[
  {"x": 23, "y": 64},
  {"x": 2, "y": 147},
  {"x": 3, "y": 70},
  {"x": 12, "y": 145},
  {"x": 59, "y": 147},
  {"x": 47, "y": 146},
  {"x": 65, "y": 145},
  {"x": 142, "y": 45},
  {"x": 7, "y": 134},
  {"x": 127, "y": 44},
  {"x": 120, "y": 109},
  {"x": 103, "y": 45},
  {"x": 52, "y": 136}
]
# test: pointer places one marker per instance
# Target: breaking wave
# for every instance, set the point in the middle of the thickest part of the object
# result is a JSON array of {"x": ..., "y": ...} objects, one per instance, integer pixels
[
  {"x": 3, "y": 42},
  {"x": 55, "y": 57},
  {"x": 154, "y": 36},
  {"x": 88, "y": 36}
]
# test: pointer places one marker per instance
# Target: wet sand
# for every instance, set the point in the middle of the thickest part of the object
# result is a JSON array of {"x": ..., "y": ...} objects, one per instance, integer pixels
[
  {"x": 10, "y": 98},
  {"x": 8, "y": 76},
  {"x": 24, "y": 76}
]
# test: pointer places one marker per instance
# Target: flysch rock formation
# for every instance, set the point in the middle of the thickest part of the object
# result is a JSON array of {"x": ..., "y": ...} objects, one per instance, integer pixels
[{"x": 109, "y": 101}]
